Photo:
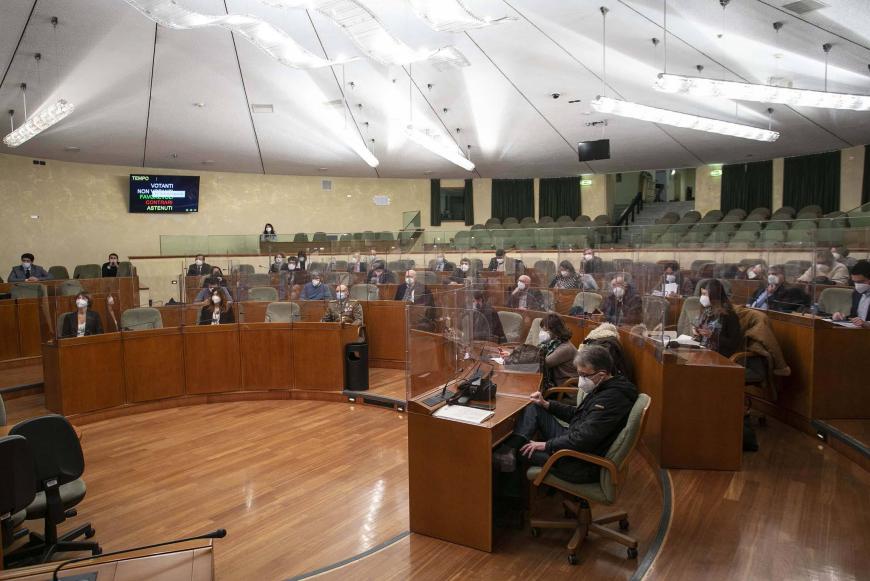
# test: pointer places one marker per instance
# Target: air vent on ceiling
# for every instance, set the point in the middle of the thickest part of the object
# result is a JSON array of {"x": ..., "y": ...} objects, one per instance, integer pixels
[
  {"x": 804, "y": 6},
  {"x": 326, "y": 185},
  {"x": 262, "y": 108}
]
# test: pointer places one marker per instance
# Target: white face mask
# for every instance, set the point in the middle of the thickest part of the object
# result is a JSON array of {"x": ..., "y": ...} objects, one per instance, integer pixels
[
  {"x": 521, "y": 285},
  {"x": 751, "y": 275},
  {"x": 278, "y": 260},
  {"x": 440, "y": 259},
  {"x": 563, "y": 272},
  {"x": 216, "y": 299},
  {"x": 409, "y": 281},
  {"x": 705, "y": 301},
  {"x": 587, "y": 257},
  {"x": 772, "y": 279},
  {"x": 315, "y": 282},
  {"x": 269, "y": 229},
  {"x": 618, "y": 292},
  {"x": 543, "y": 336},
  {"x": 198, "y": 262},
  {"x": 464, "y": 268},
  {"x": 291, "y": 266},
  {"x": 499, "y": 260},
  {"x": 586, "y": 384},
  {"x": 25, "y": 265},
  {"x": 341, "y": 295},
  {"x": 671, "y": 278},
  {"x": 353, "y": 259},
  {"x": 837, "y": 255},
  {"x": 862, "y": 287},
  {"x": 81, "y": 303}
]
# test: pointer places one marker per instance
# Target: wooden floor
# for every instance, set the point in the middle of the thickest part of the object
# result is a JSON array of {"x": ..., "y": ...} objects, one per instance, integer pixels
[
  {"x": 388, "y": 383},
  {"x": 858, "y": 429}
]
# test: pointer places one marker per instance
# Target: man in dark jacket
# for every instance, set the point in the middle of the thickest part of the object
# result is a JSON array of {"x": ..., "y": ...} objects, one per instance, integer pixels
[
  {"x": 486, "y": 326},
  {"x": 623, "y": 306},
  {"x": 592, "y": 426},
  {"x": 859, "y": 314}
]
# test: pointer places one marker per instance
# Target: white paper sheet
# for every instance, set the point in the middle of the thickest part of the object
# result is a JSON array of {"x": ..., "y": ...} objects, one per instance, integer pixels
[{"x": 463, "y": 414}]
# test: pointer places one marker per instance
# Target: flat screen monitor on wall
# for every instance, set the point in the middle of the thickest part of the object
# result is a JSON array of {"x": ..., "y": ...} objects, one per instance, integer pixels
[
  {"x": 151, "y": 194},
  {"x": 592, "y": 150}
]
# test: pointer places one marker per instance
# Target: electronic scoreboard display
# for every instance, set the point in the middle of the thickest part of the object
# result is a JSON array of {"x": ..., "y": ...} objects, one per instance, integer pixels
[{"x": 150, "y": 194}]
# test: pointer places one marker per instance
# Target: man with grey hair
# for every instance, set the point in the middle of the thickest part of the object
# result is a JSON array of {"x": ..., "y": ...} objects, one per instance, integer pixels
[
  {"x": 592, "y": 426},
  {"x": 524, "y": 297},
  {"x": 315, "y": 290}
]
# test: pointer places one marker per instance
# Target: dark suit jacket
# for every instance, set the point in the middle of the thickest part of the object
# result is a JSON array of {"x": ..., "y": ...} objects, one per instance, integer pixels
[
  {"x": 93, "y": 325},
  {"x": 387, "y": 277},
  {"x": 194, "y": 270},
  {"x": 593, "y": 266},
  {"x": 274, "y": 267},
  {"x": 856, "y": 298},
  {"x": 534, "y": 300},
  {"x": 422, "y": 295},
  {"x": 205, "y": 315},
  {"x": 363, "y": 266},
  {"x": 109, "y": 271},
  {"x": 785, "y": 298},
  {"x": 628, "y": 311},
  {"x": 486, "y": 325},
  {"x": 18, "y": 275}
]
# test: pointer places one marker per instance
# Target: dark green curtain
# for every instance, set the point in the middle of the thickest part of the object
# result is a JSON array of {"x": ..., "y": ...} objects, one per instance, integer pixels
[
  {"x": 812, "y": 180},
  {"x": 468, "y": 191},
  {"x": 559, "y": 197},
  {"x": 435, "y": 202},
  {"x": 747, "y": 186},
  {"x": 513, "y": 199},
  {"x": 865, "y": 194}
]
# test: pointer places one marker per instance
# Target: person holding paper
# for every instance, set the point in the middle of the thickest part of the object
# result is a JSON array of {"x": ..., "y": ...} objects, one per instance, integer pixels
[
  {"x": 859, "y": 315},
  {"x": 718, "y": 327},
  {"x": 670, "y": 285}
]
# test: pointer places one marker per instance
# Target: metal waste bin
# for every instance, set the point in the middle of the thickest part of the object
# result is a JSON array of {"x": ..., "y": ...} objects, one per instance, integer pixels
[{"x": 356, "y": 366}]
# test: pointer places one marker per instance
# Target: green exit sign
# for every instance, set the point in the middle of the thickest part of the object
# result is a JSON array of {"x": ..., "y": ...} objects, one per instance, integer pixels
[
  {"x": 716, "y": 173},
  {"x": 585, "y": 182}
]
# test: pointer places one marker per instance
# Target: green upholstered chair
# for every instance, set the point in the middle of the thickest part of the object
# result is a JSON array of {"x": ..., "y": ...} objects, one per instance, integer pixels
[
  {"x": 28, "y": 290},
  {"x": 512, "y": 324},
  {"x": 87, "y": 271},
  {"x": 836, "y": 300},
  {"x": 263, "y": 293},
  {"x": 691, "y": 311},
  {"x": 58, "y": 272},
  {"x": 70, "y": 288},
  {"x": 283, "y": 313},
  {"x": 141, "y": 318},
  {"x": 125, "y": 268},
  {"x": 364, "y": 292},
  {"x": 614, "y": 468}
]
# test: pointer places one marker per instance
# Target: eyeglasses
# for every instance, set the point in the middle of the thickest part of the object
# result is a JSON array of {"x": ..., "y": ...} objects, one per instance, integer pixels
[{"x": 587, "y": 375}]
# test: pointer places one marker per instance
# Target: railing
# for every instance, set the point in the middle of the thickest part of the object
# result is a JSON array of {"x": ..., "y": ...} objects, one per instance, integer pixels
[{"x": 630, "y": 213}]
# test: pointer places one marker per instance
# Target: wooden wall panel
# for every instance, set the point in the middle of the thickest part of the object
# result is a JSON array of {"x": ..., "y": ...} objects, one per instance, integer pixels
[
  {"x": 154, "y": 364},
  {"x": 211, "y": 359}
]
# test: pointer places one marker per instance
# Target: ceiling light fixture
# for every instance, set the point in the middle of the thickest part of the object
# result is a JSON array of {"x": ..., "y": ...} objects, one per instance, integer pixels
[
  {"x": 451, "y": 15},
  {"x": 434, "y": 144}
]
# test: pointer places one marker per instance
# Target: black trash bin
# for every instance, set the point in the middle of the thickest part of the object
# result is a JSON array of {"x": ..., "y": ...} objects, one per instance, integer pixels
[{"x": 356, "y": 366}]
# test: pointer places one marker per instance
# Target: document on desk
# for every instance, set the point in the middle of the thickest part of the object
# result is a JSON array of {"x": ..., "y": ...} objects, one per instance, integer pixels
[
  {"x": 463, "y": 413},
  {"x": 846, "y": 324},
  {"x": 687, "y": 341}
]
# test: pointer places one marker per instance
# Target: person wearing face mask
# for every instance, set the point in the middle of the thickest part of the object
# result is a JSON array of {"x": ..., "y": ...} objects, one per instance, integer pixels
[
  {"x": 859, "y": 315},
  {"x": 441, "y": 264},
  {"x": 269, "y": 233},
  {"x": 293, "y": 275},
  {"x": 841, "y": 254},
  {"x": 568, "y": 278},
  {"x": 199, "y": 266},
  {"x": 356, "y": 264},
  {"x": 557, "y": 352},
  {"x": 501, "y": 263},
  {"x": 414, "y": 292},
  {"x": 622, "y": 306},
  {"x": 110, "y": 269},
  {"x": 670, "y": 281},
  {"x": 524, "y": 297},
  {"x": 211, "y": 285},
  {"x": 591, "y": 263},
  {"x": 315, "y": 290},
  {"x": 826, "y": 270},
  {"x": 379, "y": 274},
  {"x": 486, "y": 326},
  {"x": 216, "y": 311},
  {"x": 592, "y": 426},
  {"x": 83, "y": 321},
  {"x": 27, "y": 271},
  {"x": 278, "y": 265},
  {"x": 343, "y": 309},
  {"x": 463, "y": 274},
  {"x": 777, "y": 295},
  {"x": 717, "y": 327}
]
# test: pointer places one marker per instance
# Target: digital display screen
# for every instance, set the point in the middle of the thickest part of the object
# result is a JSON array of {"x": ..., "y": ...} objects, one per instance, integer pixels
[
  {"x": 592, "y": 150},
  {"x": 150, "y": 194}
]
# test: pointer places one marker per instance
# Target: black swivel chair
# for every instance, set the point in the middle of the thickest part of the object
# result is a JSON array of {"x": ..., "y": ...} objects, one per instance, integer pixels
[
  {"x": 17, "y": 486},
  {"x": 58, "y": 466}
]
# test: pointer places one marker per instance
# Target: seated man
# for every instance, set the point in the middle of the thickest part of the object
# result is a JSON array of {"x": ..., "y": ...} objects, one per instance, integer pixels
[
  {"x": 500, "y": 263},
  {"x": 356, "y": 264},
  {"x": 524, "y": 297},
  {"x": 343, "y": 309},
  {"x": 860, "y": 313},
  {"x": 27, "y": 271},
  {"x": 826, "y": 270},
  {"x": 314, "y": 290},
  {"x": 199, "y": 266},
  {"x": 622, "y": 306},
  {"x": 293, "y": 275},
  {"x": 777, "y": 295},
  {"x": 110, "y": 269},
  {"x": 591, "y": 263},
  {"x": 278, "y": 264},
  {"x": 442, "y": 265},
  {"x": 212, "y": 283},
  {"x": 592, "y": 426},
  {"x": 413, "y": 292},
  {"x": 380, "y": 275},
  {"x": 463, "y": 274},
  {"x": 486, "y": 326}
]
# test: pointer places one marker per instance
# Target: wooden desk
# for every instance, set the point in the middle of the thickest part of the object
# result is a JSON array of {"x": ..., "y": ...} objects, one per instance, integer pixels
[
  {"x": 83, "y": 374},
  {"x": 386, "y": 332}
]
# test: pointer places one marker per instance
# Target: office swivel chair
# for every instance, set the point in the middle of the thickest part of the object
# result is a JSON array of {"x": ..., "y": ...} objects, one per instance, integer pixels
[
  {"x": 17, "y": 486},
  {"x": 58, "y": 464},
  {"x": 614, "y": 467}
]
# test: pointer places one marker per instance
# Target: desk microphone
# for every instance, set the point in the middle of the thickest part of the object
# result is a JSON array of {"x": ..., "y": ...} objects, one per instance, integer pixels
[{"x": 215, "y": 534}]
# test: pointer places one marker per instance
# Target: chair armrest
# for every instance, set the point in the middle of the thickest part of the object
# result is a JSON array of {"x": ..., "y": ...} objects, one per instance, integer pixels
[
  {"x": 740, "y": 357},
  {"x": 561, "y": 392},
  {"x": 592, "y": 459}
]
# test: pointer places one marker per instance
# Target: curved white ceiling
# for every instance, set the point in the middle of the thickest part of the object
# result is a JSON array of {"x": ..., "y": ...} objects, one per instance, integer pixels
[{"x": 128, "y": 114}]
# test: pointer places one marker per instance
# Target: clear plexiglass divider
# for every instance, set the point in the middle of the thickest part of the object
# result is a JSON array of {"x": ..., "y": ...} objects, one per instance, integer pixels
[{"x": 77, "y": 308}]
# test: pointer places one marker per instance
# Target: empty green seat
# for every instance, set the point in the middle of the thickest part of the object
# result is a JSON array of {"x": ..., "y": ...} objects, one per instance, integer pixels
[{"x": 88, "y": 271}]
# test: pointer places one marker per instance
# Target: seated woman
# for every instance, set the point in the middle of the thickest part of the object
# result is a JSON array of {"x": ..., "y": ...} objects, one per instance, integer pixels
[
  {"x": 826, "y": 270},
  {"x": 219, "y": 312},
  {"x": 269, "y": 233},
  {"x": 83, "y": 321},
  {"x": 568, "y": 278},
  {"x": 557, "y": 352},
  {"x": 670, "y": 281},
  {"x": 718, "y": 327}
]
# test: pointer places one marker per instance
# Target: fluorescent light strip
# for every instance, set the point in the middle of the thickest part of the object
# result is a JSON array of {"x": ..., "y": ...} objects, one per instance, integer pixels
[
  {"x": 446, "y": 150},
  {"x": 271, "y": 40},
  {"x": 451, "y": 15},
  {"x": 39, "y": 122},
  {"x": 701, "y": 87},
  {"x": 667, "y": 117}
]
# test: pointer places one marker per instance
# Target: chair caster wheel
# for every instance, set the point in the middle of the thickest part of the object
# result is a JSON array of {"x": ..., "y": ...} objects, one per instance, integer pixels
[
  {"x": 632, "y": 553},
  {"x": 623, "y": 524},
  {"x": 536, "y": 532},
  {"x": 90, "y": 533},
  {"x": 572, "y": 559}
]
